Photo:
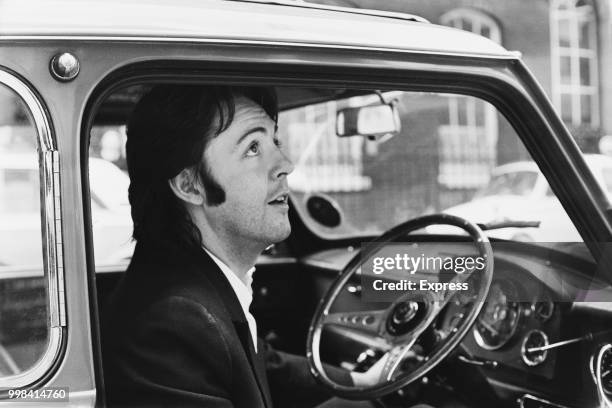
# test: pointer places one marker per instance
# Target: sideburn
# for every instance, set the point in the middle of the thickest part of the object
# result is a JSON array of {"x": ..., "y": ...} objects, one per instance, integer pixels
[{"x": 215, "y": 195}]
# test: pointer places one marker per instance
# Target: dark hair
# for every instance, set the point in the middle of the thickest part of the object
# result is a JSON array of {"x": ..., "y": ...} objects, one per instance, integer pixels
[{"x": 168, "y": 131}]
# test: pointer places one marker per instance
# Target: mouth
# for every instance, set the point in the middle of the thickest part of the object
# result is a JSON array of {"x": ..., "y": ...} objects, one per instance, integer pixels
[{"x": 281, "y": 199}]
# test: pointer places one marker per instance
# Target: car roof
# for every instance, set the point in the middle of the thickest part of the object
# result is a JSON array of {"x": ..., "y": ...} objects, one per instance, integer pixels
[{"x": 235, "y": 21}]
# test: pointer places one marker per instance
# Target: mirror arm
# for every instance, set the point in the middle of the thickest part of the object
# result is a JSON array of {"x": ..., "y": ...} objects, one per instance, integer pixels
[{"x": 381, "y": 96}]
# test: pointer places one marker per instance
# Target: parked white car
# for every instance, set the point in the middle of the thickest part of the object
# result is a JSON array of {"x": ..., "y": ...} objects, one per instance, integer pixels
[
  {"x": 518, "y": 191},
  {"x": 20, "y": 211}
]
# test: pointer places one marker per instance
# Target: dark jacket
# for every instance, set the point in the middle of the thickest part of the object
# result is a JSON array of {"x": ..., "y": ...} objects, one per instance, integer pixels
[{"x": 174, "y": 334}]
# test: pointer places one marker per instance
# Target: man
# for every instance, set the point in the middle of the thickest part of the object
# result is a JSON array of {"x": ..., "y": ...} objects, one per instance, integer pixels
[{"x": 208, "y": 193}]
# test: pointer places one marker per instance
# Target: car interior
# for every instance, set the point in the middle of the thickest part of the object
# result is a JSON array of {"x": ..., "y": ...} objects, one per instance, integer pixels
[{"x": 367, "y": 161}]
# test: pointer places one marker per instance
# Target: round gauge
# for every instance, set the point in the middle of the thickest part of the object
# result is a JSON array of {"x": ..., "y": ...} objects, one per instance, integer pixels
[
  {"x": 529, "y": 349},
  {"x": 543, "y": 310},
  {"x": 499, "y": 317},
  {"x": 605, "y": 378}
]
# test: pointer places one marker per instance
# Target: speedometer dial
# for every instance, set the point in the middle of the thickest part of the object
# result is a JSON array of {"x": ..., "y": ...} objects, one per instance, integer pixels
[
  {"x": 499, "y": 317},
  {"x": 606, "y": 372},
  {"x": 604, "y": 359}
]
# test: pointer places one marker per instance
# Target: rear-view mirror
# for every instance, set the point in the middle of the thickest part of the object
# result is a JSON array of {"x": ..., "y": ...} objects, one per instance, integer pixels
[{"x": 372, "y": 121}]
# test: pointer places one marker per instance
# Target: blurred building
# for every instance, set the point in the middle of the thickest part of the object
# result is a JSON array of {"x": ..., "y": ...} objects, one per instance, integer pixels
[{"x": 566, "y": 43}]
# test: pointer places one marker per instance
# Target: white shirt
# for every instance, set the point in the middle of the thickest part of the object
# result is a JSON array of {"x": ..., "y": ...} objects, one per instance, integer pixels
[{"x": 243, "y": 292}]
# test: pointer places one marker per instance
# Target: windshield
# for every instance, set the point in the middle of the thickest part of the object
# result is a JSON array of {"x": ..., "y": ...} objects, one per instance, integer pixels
[{"x": 447, "y": 154}]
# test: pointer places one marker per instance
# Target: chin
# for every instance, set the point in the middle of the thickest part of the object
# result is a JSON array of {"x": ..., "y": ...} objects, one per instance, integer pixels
[
  {"x": 283, "y": 235},
  {"x": 280, "y": 233}
]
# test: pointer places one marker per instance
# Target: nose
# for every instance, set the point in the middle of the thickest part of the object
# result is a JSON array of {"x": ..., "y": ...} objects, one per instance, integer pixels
[{"x": 284, "y": 166}]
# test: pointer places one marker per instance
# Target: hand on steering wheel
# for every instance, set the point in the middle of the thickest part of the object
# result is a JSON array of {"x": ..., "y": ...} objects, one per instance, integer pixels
[{"x": 415, "y": 311}]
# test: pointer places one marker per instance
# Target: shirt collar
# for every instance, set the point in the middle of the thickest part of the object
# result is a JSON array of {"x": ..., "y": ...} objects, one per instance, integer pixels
[{"x": 243, "y": 290}]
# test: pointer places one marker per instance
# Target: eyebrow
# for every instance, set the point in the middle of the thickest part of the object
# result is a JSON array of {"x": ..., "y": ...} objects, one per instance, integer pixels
[{"x": 255, "y": 130}]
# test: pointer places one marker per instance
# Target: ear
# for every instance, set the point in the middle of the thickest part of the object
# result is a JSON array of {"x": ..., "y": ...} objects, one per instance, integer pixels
[{"x": 185, "y": 186}]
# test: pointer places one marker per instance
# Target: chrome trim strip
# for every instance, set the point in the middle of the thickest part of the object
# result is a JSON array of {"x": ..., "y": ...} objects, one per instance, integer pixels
[
  {"x": 274, "y": 260},
  {"x": 510, "y": 55},
  {"x": 56, "y": 202},
  {"x": 521, "y": 401},
  {"x": 51, "y": 234},
  {"x": 53, "y": 261},
  {"x": 368, "y": 12},
  {"x": 326, "y": 265}
]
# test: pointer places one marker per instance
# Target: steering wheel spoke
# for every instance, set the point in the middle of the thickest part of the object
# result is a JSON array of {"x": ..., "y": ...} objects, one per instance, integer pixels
[
  {"x": 393, "y": 359},
  {"x": 370, "y": 321}
]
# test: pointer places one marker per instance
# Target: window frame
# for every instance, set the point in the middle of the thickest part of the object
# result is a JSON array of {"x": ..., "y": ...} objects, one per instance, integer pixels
[{"x": 52, "y": 241}]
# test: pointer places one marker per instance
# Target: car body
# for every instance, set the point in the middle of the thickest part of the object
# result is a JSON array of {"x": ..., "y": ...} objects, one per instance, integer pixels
[
  {"x": 519, "y": 191},
  {"x": 79, "y": 67}
]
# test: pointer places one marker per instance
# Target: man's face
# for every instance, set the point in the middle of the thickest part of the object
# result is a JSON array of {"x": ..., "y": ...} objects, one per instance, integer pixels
[{"x": 246, "y": 161}]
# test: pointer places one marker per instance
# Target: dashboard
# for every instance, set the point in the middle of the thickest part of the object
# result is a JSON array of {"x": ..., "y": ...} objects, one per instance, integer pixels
[
  {"x": 521, "y": 315},
  {"x": 537, "y": 333}
]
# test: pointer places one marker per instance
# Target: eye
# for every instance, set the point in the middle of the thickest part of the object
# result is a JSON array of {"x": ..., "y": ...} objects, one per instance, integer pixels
[
  {"x": 277, "y": 142},
  {"x": 253, "y": 149}
]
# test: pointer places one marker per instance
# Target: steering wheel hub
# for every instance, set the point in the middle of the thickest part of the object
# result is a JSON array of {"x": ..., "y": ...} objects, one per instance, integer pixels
[{"x": 405, "y": 316}]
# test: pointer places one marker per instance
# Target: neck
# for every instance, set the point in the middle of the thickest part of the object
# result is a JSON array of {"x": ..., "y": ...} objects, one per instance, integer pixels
[
  {"x": 237, "y": 252},
  {"x": 238, "y": 256}
]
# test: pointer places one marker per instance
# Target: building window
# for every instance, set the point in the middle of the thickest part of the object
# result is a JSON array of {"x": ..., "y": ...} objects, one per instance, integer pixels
[
  {"x": 573, "y": 30},
  {"x": 474, "y": 21},
  {"x": 324, "y": 162},
  {"x": 467, "y": 165}
]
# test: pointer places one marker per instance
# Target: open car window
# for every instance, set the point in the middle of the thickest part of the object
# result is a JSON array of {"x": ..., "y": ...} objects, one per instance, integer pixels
[{"x": 450, "y": 153}]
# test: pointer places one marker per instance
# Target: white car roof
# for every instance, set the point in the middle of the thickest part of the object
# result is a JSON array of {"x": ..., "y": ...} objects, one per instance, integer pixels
[
  {"x": 595, "y": 161},
  {"x": 222, "y": 21}
]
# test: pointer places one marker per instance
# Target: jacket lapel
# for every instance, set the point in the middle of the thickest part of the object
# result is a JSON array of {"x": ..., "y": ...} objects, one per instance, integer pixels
[
  {"x": 228, "y": 298},
  {"x": 260, "y": 367},
  {"x": 255, "y": 359}
]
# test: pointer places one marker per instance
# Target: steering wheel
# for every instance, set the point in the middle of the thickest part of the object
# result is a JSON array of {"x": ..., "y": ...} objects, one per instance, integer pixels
[{"x": 413, "y": 312}]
